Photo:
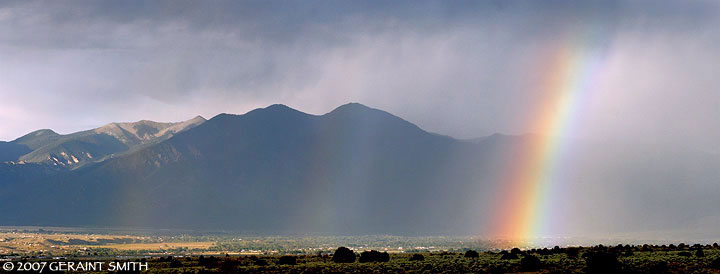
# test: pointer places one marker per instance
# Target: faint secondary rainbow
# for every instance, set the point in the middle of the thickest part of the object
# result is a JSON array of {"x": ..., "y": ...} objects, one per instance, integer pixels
[{"x": 524, "y": 211}]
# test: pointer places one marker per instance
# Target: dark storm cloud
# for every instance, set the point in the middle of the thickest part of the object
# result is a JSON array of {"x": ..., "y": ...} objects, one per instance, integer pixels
[
  {"x": 464, "y": 68},
  {"x": 290, "y": 21}
]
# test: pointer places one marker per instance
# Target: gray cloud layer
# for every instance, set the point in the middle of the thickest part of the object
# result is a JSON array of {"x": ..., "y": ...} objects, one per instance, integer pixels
[{"x": 460, "y": 68}]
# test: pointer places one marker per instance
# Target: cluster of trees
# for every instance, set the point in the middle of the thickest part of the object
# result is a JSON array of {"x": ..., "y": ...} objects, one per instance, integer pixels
[
  {"x": 527, "y": 263},
  {"x": 417, "y": 257},
  {"x": 288, "y": 260},
  {"x": 345, "y": 255},
  {"x": 620, "y": 250},
  {"x": 374, "y": 256}
]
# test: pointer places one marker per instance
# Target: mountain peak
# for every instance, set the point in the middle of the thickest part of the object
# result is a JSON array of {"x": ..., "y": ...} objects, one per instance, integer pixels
[
  {"x": 41, "y": 132},
  {"x": 146, "y": 130},
  {"x": 278, "y": 106},
  {"x": 37, "y": 138},
  {"x": 275, "y": 109},
  {"x": 45, "y": 132},
  {"x": 357, "y": 109},
  {"x": 352, "y": 107}
]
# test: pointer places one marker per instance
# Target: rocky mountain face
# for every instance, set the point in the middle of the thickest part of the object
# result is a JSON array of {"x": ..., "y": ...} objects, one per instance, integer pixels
[{"x": 91, "y": 146}]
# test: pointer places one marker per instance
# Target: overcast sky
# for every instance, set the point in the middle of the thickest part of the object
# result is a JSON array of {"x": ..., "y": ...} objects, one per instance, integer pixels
[{"x": 464, "y": 69}]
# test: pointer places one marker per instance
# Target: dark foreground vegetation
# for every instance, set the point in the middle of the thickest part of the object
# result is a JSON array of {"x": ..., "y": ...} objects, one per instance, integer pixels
[{"x": 621, "y": 259}]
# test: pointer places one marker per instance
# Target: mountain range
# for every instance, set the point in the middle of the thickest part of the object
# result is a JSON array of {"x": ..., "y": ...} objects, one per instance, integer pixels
[
  {"x": 91, "y": 146},
  {"x": 355, "y": 170}
]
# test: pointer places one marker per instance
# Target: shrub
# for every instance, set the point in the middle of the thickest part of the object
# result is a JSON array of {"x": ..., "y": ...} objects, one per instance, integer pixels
[
  {"x": 544, "y": 251},
  {"x": 260, "y": 262},
  {"x": 572, "y": 252},
  {"x": 685, "y": 254},
  {"x": 207, "y": 261},
  {"x": 289, "y": 260},
  {"x": 700, "y": 253},
  {"x": 472, "y": 254},
  {"x": 530, "y": 263},
  {"x": 228, "y": 266},
  {"x": 715, "y": 264},
  {"x": 509, "y": 256},
  {"x": 496, "y": 269},
  {"x": 602, "y": 263},
  {"x": 417, "y": 257},
  {"x": 557, "y": 250},
  {"x": 343, "y": 255},
  {"x": 374, "y": 256},
  {"x": 175, "y": 264},
  {"x": 660, "y": 267}
]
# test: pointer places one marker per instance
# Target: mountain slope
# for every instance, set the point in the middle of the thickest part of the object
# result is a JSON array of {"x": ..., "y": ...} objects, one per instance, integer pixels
[
  {"x": 12, "y": 151},
  {"x": 271, "y": 168},
  {"x": 357, "y": 170},
  {"x": 78, "y": 149}
]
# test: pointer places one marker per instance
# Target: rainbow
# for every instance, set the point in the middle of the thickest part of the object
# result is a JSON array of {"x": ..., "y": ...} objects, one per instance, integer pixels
[{"x": 524, "y": 211}]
